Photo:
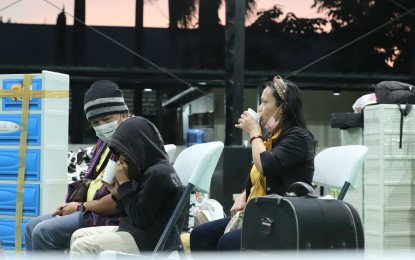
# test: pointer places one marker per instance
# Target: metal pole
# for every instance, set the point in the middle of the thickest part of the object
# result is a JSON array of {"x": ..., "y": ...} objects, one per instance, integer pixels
[{"x": 234, "y": 68}]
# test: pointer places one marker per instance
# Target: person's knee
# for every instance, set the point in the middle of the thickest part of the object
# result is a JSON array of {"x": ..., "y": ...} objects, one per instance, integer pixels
[
  {"x": 225, "y": 244},
  {"x": 28, "y": 229},
  {"x": 38, "y": 232},
  {"x": 75, "y": 236},
  {"x": 38, "y": 238},
  {"x": 80, "y": 248},
  {"x": 28, "y": 234},
  {"x": 85, "y": 246},
  {"x": 196, "y": 237},
  {"x": 77, "y": 245},
  {"x": 30, "y": 226},
  {"x": 196, "y": 233},
  {"x": 229, "y": 242}
]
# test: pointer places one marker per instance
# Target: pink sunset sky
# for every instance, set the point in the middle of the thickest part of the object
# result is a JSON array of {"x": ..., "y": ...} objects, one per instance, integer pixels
[{"x": 121, "y": 12}]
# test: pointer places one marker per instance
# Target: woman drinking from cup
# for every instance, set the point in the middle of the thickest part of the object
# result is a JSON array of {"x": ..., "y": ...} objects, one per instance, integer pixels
[{"x": 281, "y": 156}]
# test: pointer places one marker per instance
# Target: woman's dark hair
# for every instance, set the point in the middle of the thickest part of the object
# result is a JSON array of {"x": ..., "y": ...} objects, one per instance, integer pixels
[{"x": 292, "y": 105}]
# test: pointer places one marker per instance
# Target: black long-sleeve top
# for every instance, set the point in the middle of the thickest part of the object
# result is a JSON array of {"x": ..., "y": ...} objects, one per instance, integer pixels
[
  {"x": 290, "y": 160},
  {"x": 150, "y": 206}
]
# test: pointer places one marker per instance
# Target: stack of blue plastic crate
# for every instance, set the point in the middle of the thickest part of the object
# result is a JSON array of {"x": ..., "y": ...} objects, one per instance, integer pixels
[{"x": 47, "y": 146}]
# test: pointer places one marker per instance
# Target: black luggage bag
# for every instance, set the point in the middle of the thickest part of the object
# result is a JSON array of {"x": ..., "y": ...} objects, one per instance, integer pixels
[
  {"x": 299, "y": 223},
  {"x": 346, "y": 120}
]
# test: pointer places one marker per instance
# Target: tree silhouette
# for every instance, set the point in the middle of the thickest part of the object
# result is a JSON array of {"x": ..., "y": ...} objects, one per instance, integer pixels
[
  {"x": 267, "y": 21},
  {"x": 8, "y": 20},
  {"x": 183, "y": 12},
  {"x": 208, "y": 14},
  {"x": 275, "y": 37},
  {"x": 393, "y": 44}
]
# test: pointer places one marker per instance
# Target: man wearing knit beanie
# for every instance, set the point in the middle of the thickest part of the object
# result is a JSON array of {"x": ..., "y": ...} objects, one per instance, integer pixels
[
  {"x": 105, "y": 109},
  {"x": 103, "y": 98}
]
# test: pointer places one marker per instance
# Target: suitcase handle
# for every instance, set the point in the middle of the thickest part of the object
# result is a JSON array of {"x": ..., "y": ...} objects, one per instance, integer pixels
[
  {"x": 301, "y": 189},
  {"x": 266, "y": 226}
]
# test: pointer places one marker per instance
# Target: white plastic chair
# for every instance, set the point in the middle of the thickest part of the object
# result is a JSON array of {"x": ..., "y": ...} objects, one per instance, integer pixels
[
  {"x": 170, "y": 150},
  {"x": 195, "y": 166},
  {"x": 339, "y": 167}
]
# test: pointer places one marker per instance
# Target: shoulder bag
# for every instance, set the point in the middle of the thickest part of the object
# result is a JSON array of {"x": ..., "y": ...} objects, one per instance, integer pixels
[{"x": 80, "y": 190}]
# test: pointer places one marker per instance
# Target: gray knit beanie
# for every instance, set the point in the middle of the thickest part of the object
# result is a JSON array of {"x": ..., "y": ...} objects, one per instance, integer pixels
[{"x": 104, "y": 97}]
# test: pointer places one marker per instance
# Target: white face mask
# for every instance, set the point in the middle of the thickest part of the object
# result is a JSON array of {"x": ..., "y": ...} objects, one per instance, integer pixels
[{"x": 106, "y": 131}]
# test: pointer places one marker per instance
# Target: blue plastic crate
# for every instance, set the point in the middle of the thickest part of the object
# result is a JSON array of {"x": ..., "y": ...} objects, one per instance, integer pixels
[
  {"x": 30, "y": 199},
  {"x": 10, "y": 129},
  {"x": 9, "y": 163},
  {"x": 9, "y": 103},
  {"x": 7, "y": 235}
]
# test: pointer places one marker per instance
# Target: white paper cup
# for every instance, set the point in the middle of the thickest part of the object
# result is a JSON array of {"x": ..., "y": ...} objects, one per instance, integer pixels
[
  {"x": 253, "y": 114},
  {"x": 109, "y": 172}
]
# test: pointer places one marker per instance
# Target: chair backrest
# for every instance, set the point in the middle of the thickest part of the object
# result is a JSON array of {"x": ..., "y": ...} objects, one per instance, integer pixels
[
  {"x": 195, "y": 166},
  {"x": 170, "y": 150},
  {"x": 197, "y": 163},
  {"x": 339, "y": 167}
]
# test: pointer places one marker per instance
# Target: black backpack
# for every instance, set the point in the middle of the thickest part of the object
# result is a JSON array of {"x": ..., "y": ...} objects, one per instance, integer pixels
[{"x": 396, "y": 92}]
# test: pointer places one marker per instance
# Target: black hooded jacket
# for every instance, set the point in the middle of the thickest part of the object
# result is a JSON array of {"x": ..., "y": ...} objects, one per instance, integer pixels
[{"x": 147, "y": 208}]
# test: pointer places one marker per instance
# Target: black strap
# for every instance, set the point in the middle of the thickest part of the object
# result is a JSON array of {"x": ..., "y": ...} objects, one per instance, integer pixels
[
  {"x": 404, "y": 112},
  {"x": 103, "y": 165},
  {"x": 408, "y": 109}
]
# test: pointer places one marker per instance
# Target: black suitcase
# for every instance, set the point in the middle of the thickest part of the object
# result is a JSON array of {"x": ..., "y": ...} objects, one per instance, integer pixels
[{"x": 299, "y": 223}]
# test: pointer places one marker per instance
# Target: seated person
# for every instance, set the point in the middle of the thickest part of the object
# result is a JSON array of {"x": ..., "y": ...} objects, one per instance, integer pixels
[
  {"x": 146, "y": 208},
  {"x": 284, "y": 156},
  {"x": 105, "y": 109}
]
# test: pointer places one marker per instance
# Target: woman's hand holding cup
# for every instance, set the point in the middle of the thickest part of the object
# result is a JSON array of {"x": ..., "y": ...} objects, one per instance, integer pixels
[
  {"x": 248, "y": 121},
  {"x": 254, "y": 114}
]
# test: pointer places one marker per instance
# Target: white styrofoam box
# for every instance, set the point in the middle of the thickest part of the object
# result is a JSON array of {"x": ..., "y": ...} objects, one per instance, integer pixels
[
  {"x": 389, "y": 178},
  {"x": 373, "y": 241},
  {"x": 386, "y": 118},
  {"x": 382, "y": 132},
  {"x": 389, "y": 196},
  {"x": 394, "y": 171},
  {"x": 396, "y": 221},
  {"x": 387, "y": 145}
]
